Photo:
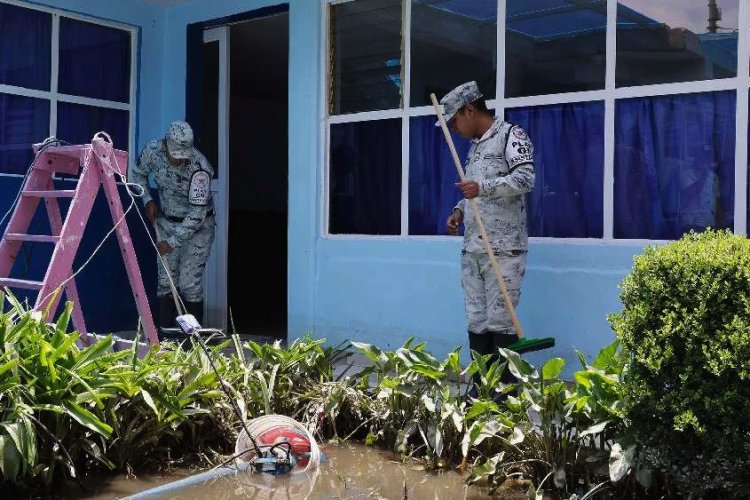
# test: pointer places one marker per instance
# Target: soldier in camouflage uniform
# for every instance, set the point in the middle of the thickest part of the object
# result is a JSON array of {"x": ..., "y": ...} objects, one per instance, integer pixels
[
  {"x": 499, "y": 172},
  {"x": 186, "y": 220}
]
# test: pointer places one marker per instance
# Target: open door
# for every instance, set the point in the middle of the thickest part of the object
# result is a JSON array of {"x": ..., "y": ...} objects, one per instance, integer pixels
[{"x": 215, "y": 146}]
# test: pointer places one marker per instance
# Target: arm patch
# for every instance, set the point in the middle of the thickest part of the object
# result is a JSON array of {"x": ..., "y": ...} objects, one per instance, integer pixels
[{"x": 200, "y": 188}]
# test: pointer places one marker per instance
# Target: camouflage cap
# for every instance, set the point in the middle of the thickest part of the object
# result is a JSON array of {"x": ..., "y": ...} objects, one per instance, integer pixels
[
  {"x": 179, "y": 140},
  {"x": 464, "y": 94}
]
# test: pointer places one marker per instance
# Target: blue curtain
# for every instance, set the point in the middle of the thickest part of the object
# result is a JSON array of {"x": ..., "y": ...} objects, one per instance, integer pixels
[
  {"x": 77, "y": 124},
  {"x": 94, "y": 61},
  {"x": 432, "y": 175},
  {"x": 365, "y": 183},
  {"x": 567, "y": 201},
  {"x": 674, "y": 164},
  {"x": 25, "y": 41},
  {"x": 23, "y": 122}
]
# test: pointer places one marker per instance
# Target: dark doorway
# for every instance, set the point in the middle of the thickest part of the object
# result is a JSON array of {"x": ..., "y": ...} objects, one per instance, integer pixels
[{"x": 258, "y": 176}]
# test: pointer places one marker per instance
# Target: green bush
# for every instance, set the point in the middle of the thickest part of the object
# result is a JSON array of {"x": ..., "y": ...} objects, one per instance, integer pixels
[{"x": 686, "y": 324}]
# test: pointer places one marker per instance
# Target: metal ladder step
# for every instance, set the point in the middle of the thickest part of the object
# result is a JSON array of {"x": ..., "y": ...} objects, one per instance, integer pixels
[
  {"x": 16, "y": 283},
  {"x": 36, "y": 238},
  {"x": 57, "y": 193}
]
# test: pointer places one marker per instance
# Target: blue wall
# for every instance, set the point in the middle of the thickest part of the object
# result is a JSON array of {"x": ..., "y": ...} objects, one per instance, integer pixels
[
  {"x": 384, "y": 291},
  {"x": 374, "y": 290}
]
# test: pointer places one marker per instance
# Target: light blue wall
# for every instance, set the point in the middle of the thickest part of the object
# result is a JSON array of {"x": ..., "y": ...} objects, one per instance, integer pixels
[
  {"x": 374, "y": 290},
  {"x": 384, "y": 291}
]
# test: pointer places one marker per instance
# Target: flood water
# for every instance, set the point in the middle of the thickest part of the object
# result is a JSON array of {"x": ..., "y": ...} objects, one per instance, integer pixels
[{"x": 349, "y": 472}]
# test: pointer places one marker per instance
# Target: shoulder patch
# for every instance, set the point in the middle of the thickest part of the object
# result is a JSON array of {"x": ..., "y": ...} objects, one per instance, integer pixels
[
  {"x": 200, "y": 188},
  {"x": 520, "y": 133}
]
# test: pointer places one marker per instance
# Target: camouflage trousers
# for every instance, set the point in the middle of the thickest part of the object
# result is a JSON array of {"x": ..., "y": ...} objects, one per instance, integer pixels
[
  {"x": 485, "y": 305},
  {"x": 188, "y": 262}
]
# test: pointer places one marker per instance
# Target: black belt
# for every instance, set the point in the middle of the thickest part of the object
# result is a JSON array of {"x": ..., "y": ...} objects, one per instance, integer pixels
[{"x": 180, "y": 219}]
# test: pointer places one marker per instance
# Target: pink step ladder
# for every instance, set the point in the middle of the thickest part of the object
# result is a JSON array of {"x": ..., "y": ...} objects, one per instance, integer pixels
[{"x": 99, "y": 162}]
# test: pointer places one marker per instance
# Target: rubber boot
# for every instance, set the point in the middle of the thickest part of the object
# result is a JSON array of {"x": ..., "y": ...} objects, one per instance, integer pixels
[
  {"x": 167, "y": 315},
  {"x": 504, "y": 339},
  {"x": 481, "y": 343},
  {"x": 196, "y": 309}
]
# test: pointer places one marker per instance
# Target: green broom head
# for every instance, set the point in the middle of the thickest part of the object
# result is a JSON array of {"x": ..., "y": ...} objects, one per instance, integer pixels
[{"x": 530, "y": 345}]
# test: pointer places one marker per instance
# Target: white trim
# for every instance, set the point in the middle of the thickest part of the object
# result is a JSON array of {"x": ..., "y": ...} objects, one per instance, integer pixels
[
  {"x": 72, "y": 99},
  {"x": 548, "y": 99},
  {"x": 215, "y": 277},
  {"x": 366, "y": 116},
  {"x": 741, "y": 153},
  {"x": 500, "y": 102},
  {"x": 325, "y": 133},
  {"x": 90, "y": 101},
  {"x": 610, "y": 73},
  {"x": 405, "y": 120},
  {"x": 675, "y": 88},
  {"x": 70, "y": 14},
  {"x": 534, "y": 240},
  {"x": 54, "y": 74},
  {"x": 24, "y": 92},
  {"x": 134, "y": 73}
]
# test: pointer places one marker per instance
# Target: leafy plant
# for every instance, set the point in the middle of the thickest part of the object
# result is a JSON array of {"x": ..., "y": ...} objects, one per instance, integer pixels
[{"x": 685, "y": 323}]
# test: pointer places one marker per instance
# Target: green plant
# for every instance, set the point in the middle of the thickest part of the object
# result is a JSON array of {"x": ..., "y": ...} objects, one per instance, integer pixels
[{"x": 685, "y": 324}]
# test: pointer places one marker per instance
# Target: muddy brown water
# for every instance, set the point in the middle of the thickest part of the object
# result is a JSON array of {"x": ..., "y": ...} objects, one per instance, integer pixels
[{"x": 349, "y": 471}]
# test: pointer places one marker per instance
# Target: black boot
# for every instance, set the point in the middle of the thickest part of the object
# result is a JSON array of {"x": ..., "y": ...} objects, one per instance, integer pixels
[
  {"x": 504, "y": 339},
  {"x": 167, "y": 315},
  {"x": 482, "y": 344},
  {"x": 196, "y": 309}
]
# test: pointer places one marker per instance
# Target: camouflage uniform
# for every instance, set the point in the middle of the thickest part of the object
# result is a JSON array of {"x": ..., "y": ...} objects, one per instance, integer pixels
[
  {"x": 186, "y": 220},
  {"x": 502, "y": 163}
]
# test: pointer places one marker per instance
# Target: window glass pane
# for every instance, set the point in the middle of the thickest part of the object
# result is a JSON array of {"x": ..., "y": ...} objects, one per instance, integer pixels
[
  {"x": 94, "y": 61},
  {"x": 23, "y": 121},
  {"x": 365, "y": 173},
  {"x": 674, "y": 164},
  {"x": 452, "y": 41},
  {"x": 25, "y": 36},
  {"x": 432, "y": 176},
  {"x": 554, "y": 46},
  {"x": 77, "y": 124},
  {"x": 567, "y": 200},
  {"x": 675, "y": 41},
  {"x": 365, "y": 56}
]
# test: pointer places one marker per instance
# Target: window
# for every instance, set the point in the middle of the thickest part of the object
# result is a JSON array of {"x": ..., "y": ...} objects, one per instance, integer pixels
[
  {"x": 675, "y": 41},
  {"x": 554, "y": 46},
  {"x": 674, "y": 164},
  {"x": 69, "y": 86},
  {"x": 635, "y": 130}
]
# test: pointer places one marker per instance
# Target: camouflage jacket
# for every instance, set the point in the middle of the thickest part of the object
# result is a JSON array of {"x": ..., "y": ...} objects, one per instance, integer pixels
[
  {"x": 502, "y": 162},
  {"x": 184, "y": 191}
]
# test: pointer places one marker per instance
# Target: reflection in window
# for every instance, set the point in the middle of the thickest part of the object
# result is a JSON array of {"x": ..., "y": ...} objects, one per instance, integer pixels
[
  {"x": 365, "y": 56},
  {"x": 365, "y": 177},
  {"x": 554, "y": 46},
  {"x": 25, "y": 37},
  {"x": 452, "y": 41},
  {"x": 23, "y": 122},
  {"x": 675, "y": 40},
  {"x": 567, "y": 201},
  {"x": 432, "y": 176},
  {"x": 94, "y": 61},
  {"x": 674, "y": 164},
  {"x": 77, "y": 124}
]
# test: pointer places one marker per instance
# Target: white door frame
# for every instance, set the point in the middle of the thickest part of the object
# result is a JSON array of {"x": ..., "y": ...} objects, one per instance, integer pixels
[{"x": 215, "y": 286}]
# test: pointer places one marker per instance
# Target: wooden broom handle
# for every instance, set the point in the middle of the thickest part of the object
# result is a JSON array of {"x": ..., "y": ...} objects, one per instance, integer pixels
[{"x": 478, "y": 218}]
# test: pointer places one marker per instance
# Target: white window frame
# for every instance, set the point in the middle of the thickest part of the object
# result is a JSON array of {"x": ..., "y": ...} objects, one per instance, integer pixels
[
  {"x": 609, "y": 95},
  {"x": 54, "y": 97}
]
